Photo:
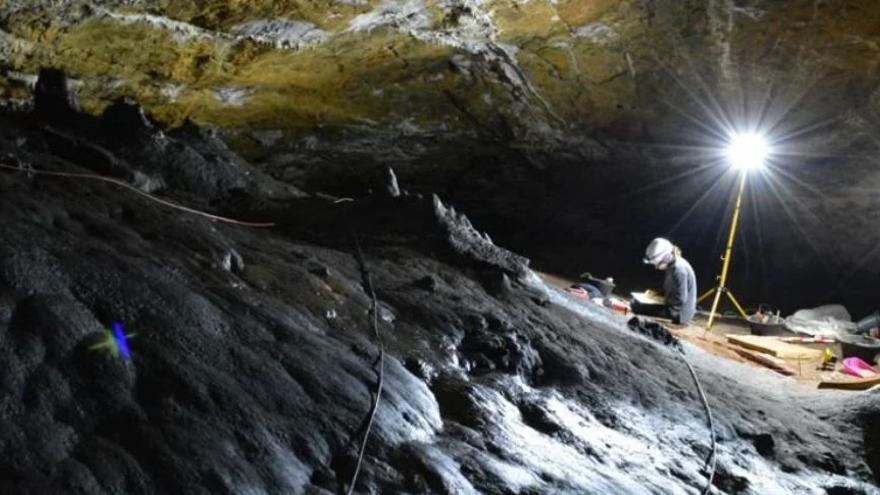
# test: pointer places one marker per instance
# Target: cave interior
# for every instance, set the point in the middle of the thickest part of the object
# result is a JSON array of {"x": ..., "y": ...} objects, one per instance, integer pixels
[{"x": 323, "y": 246}]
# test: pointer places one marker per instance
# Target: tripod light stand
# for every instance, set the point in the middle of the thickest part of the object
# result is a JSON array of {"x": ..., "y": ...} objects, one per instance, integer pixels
[{"x": 745, "y": 152}]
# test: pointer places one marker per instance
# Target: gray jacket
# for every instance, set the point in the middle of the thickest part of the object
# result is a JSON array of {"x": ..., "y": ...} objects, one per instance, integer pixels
[{"x": 680, "y": 290}]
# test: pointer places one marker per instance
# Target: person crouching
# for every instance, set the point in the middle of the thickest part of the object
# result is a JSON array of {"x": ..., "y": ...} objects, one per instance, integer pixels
[{"x": 680, "y": 283}]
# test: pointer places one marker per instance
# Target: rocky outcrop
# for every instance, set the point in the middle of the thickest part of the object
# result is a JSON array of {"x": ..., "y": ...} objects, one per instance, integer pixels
[{"x": 466, "y": 241}]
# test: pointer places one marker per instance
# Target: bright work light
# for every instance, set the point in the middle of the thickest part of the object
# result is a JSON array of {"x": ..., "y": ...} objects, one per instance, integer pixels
[{"x": 747, "y": 151}]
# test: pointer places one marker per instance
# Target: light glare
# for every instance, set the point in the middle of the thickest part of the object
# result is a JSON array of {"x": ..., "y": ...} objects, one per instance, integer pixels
[{"x": 747, "y": 151}]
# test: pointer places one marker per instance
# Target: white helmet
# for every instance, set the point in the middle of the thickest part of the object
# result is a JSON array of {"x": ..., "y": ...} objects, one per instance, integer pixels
[{"x": 658, "y": 251}]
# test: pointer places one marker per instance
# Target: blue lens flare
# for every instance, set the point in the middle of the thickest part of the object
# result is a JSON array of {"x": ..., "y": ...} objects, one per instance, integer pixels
[
  {"x": 120, "y": 339},
  {"x": 116, "y": 341}
]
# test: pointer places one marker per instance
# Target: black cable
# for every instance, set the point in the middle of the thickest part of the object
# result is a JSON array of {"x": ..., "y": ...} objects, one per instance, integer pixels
[
  {"x": 135, "y": 190},
  {"x": 711, "y": 460},
  {"x": 374, "y": 309},
  {"x": 659, "y": 333}
]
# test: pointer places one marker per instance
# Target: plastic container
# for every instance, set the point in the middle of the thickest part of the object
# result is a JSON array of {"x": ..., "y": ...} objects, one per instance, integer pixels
[
  {"x": 868, "y": 322},
  {"x": 856, "y": 367},
  {"x": 859, "y": 346},
  {"x": 773, "y": 325},
  {"x": 618, "y": 305}
]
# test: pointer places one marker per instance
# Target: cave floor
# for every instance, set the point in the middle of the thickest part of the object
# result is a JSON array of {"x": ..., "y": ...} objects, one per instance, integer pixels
[{"x": 808, "y": 373}]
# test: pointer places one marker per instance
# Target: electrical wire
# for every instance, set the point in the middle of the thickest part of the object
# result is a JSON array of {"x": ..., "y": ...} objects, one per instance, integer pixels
[
  {"x": 374, "y": 309},
  {"x": 666, "y": 338},
  {"x": 711, "y": 460},
  {"x": 149, "y": 196}
]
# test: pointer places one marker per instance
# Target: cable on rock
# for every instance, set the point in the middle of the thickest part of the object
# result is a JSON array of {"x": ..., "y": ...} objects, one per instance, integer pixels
[
  {"x": 711, "y": 460},
  {"x": 149, "y": 196},
  {"x": 374, "y": 310},
  {"x": 655, "y": 331}
]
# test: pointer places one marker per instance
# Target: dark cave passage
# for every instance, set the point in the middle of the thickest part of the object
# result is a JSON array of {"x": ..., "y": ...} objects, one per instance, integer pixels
[{"x": 793, "y": 249}]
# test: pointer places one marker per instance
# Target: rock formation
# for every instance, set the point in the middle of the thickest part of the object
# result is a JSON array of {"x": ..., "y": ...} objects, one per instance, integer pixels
[{"x": 254, "y": 365}]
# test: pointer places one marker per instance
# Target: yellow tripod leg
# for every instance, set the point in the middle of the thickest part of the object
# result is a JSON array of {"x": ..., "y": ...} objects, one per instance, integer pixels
[
  {"x": 728, "y": 252},
  {"x": 736, "y": 303},
  {"x": 714, "y": 308},
  {"x": 706, "y": 294}
]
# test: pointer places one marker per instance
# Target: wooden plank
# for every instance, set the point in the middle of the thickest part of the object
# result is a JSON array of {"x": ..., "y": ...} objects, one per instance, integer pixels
[
  {"x": 808, "y": 340},
  {"x": 854, "y": 384},
  {"x": 774, "y": 347},
  {"x": 774, "y": 364}
]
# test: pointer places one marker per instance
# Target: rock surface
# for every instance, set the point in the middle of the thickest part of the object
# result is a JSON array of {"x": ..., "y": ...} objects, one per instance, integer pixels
[{"x": 253, "y": 361}]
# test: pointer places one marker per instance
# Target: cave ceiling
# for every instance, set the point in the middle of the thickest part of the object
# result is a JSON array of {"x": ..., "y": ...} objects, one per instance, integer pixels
[{"x": 531, "y": 69}]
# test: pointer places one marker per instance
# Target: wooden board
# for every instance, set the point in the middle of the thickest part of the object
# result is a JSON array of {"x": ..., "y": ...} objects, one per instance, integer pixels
[
  {"x": 854, "y": 384},
  {"x": 774, "y": 347},
  {"x": 774, "y": 364}
]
